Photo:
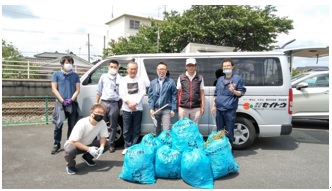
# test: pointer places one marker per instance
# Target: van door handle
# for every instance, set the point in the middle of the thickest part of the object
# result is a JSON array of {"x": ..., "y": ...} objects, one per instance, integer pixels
[{"x": 326, "y": 92}]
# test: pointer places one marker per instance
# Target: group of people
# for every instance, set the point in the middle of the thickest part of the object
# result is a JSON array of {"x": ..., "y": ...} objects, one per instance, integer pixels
[{"x": 115, "y": 93}]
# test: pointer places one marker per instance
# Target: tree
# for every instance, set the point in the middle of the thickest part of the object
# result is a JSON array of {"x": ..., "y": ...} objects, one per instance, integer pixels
[
  {"x": 12, "y": 65},
  {"x": 9, "y": 52},
  {"x": 247, "y": 28}
]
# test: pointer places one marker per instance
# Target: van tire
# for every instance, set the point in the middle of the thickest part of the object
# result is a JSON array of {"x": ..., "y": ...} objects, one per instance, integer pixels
[{"x": 244, "y": 133}]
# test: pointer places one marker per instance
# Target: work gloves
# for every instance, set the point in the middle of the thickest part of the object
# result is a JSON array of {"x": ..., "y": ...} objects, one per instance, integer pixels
[
  {"x": 93, "y": 151},
  {"x": 100, "y": 152},
  {"x": 67, "y": 102}
]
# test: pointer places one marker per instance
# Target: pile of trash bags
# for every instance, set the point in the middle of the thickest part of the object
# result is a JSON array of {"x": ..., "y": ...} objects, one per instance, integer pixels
[{"x": 180, "y": 153}]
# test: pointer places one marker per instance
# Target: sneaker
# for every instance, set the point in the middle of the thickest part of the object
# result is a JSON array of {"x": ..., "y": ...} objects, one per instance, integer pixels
[
  {"x": 89, "y": 162},
  {"x": 55, "y": 149},
  {"x": 112, "y": 149},
  {"x": 71, "y": 170},
  {"x": 124, "y": 151}
]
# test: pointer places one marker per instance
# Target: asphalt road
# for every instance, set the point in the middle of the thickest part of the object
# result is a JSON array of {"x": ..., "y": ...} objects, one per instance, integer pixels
[{"x": 299, "y": 160}]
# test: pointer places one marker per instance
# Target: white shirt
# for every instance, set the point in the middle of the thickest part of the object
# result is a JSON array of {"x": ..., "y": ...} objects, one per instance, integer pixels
[
  {"x": 132, "y": 89},
  {"x": 85, "y": 132}
]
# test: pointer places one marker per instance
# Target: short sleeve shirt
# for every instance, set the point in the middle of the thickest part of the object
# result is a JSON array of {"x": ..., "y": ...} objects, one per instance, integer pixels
[{"x": 66, "y": 83}]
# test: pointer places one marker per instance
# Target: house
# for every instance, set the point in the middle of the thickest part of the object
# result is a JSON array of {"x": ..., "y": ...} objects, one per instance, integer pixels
[
  {"x": 126, "y": 25},
  {"x": 48, "y": 62}
]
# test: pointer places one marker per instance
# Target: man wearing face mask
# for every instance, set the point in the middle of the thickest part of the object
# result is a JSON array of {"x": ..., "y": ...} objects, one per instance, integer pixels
[
  {"x": 82, "y": 139},
  {"x": 162, "y": 91},
  {"x": 108, "y": 95},
  {"x": 228, "y": 90},
  {"x": 66, "y": 87}
]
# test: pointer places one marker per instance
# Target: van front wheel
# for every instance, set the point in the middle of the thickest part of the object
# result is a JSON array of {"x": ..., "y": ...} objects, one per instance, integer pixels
[{"x": 244, "y": 133}]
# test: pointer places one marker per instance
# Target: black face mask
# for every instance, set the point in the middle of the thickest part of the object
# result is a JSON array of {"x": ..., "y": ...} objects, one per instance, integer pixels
[{"x": 98, "y": 117}]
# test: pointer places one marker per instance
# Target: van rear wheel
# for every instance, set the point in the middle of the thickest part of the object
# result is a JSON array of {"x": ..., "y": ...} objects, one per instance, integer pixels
[{"x": 244, "y": 133}]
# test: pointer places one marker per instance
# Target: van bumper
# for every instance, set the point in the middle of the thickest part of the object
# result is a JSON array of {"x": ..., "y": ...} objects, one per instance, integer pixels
[{"x": 286, "y": 129}]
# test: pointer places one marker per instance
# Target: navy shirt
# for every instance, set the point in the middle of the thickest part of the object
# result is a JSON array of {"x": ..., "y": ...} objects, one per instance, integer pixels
[
  {"x": 66, "y": 83},
  {"x": 226, "y": 99}
]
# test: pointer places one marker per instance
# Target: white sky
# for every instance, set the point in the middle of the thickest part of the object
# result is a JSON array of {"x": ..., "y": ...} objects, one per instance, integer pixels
[{"x": 40, "y": 26}]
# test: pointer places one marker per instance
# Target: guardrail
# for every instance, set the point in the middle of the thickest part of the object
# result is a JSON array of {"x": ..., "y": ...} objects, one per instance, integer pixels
[
  {"x": 23, "y": 110},
  {"x": 34, "y": 70}
]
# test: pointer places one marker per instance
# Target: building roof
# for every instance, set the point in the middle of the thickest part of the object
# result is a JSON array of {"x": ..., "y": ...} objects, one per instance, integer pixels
[
  {"x": 53, "y": 58},
  {"x": 129, "y": 15}
]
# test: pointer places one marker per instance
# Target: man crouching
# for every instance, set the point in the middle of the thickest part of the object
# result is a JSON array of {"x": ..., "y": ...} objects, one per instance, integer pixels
[{"x": 82, "y": 139}]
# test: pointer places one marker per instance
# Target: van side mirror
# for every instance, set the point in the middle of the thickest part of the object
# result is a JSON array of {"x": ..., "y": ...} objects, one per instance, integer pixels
[{"x": 302, "y": 85}]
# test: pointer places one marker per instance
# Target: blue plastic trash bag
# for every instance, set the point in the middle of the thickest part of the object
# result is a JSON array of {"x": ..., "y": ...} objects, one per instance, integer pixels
[
  {"x": 151, "y": 140},
  {"x": 138, "y": 165},
  {"x": 196, "y": 170},
  {"x": 221, "y": 159},
  {"x": 185, "y": 135},
  {"x": 168, "y": 163},
  {"x": 164, "y": 138}
]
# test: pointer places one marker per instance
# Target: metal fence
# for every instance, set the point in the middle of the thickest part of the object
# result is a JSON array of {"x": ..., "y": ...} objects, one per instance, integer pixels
[
  {"x": 23, "y": 110},
  {"x": 34, "y": 70}
]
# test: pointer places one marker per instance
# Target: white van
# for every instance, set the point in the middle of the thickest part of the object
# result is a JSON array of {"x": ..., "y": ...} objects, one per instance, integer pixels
[{"x": 264, "y": 111}]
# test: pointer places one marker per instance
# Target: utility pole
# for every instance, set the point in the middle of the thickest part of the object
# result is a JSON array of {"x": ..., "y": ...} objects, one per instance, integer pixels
[
  {"x": 158, "y": 38},
  {"x": 88, "y": 48}
]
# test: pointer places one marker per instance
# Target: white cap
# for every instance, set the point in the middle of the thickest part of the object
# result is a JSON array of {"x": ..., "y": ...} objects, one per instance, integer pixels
[{"x": 190, "y": 61}]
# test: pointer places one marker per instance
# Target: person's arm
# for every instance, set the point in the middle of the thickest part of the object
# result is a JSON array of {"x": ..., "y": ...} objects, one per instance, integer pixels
[
  {"x": 76, "y": 92},
  {"x": 123, "y": 90},
  {"x": 174, "y": 98},
  {"x": 99, "y": 89},
  {"x": 103, "y": 141},
  {"x": 213, "y": 109},
  {"x": 202, "y": 96},
  {"x": 55, "y": 91},
  {"x": 202, "y": 101}
]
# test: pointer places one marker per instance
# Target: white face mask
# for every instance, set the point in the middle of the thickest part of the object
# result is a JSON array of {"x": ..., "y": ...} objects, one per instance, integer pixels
[
  {"x": 227, "y": 71},
  {"x": 68, "y": 67},
  {"x": 112, "y": 71}
]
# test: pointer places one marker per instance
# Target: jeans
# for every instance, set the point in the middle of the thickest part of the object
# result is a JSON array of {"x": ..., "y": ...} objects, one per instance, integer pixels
[
  {"x": 72, "y": 119},
  {"x": 163, "y": 117},
  {"x": 226, "y": 120},
  {"x": 131, "y": 127}
]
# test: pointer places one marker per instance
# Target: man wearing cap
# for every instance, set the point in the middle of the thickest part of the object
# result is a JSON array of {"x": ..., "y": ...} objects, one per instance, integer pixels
[{"x": 191, "y": 92}]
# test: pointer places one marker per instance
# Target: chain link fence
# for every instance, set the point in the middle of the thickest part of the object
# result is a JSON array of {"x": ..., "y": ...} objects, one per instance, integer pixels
[{"x": 23, "y": 110}]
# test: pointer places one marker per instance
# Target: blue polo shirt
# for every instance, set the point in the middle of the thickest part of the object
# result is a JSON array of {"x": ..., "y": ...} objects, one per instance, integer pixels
[{"x": 66, "y": 83}]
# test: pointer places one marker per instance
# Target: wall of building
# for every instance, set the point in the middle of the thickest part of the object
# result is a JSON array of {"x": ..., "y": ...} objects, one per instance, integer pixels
[{"x": 26, "y": 87}]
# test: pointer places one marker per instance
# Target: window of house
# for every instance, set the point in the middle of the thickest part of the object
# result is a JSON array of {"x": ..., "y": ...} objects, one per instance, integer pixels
[{"x": 134, "y": 24}]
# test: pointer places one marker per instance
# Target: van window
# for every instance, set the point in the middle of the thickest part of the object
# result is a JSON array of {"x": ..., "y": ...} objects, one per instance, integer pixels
[
  {"x": 254, "y": 71},
  {"x": 94, "y": 76},
  {"x": 176, "y": 67}
]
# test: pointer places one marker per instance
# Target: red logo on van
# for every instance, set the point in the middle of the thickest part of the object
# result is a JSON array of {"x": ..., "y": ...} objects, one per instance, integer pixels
[{"x": 247, "y": 106}]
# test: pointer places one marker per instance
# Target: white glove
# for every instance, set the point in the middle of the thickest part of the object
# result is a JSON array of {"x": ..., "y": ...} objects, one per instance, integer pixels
[
  {"x": 100, "y": 151},
  {"x": 93, "y": 151}
]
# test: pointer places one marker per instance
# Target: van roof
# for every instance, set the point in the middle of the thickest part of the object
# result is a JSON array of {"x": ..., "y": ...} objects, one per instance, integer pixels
[{"x": 309, "y": 52}]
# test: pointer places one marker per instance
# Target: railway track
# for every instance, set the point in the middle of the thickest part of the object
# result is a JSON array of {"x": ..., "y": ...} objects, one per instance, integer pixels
[{"x": 26, "y": 107}]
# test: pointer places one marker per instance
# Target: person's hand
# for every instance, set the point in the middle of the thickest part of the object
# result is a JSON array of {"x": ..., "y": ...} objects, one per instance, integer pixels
[
  {"x": 202, "y": 110},
  {"x": 65, "y": 103},
  {"x": 100, "y": 151},
  {"x": 172, "y": 113},
  {"x": 69, "y": 101},
  {"x": 231, "y": 87},
  {"x": 151, "y": 112},
  {"x": 213, "y": 110},
  {"x": 93, "y": 151}
]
